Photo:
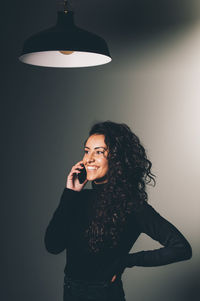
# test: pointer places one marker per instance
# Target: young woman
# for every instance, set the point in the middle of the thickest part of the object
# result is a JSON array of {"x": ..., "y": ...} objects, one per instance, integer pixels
[{"x": 99, "y": 226}]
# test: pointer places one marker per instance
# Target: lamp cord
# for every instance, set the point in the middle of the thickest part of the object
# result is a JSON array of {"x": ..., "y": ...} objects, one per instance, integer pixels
[{"x": 64, "y": 5}]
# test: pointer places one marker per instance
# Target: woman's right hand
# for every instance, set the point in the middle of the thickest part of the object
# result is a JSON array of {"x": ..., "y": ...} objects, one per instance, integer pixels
[{"x": 72, "y": 179}]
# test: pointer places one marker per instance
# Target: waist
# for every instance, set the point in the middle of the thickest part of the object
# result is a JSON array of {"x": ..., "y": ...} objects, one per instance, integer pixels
[
  {"x": 91, "y": 290},
  {"x": 68, "y": 280}
]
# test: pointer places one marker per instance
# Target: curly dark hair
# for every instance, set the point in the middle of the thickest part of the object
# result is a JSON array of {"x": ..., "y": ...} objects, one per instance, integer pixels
[{"x": 129, "y": 171}]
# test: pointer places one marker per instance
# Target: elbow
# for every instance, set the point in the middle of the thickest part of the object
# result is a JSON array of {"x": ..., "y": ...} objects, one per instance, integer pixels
[
  {"x": 188, "y": 252},
  {"x": 52, "y": 247},
  {"x": 183, "y": 251},
  {"x": 52, "y": 250}
]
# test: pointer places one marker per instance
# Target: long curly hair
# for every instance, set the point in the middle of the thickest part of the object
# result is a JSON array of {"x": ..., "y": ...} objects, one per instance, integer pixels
[{"x": 129, "y": 171}]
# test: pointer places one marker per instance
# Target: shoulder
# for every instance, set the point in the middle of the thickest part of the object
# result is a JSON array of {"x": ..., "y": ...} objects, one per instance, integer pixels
[
  {"x": 72, "y": 192},
  {"x": 76, "y": 200},
  {"x": 144, "y": 209},
  {"x": 70, "y": 195},
  {"x": 146, "y": 215}
]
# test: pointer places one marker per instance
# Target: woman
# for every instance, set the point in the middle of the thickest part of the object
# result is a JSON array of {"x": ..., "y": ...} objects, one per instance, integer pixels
[{"x": 99, "y": 226}]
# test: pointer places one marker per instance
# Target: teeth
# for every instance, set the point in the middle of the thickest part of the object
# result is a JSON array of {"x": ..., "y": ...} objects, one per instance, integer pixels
[{"x": 91, "y": 168}]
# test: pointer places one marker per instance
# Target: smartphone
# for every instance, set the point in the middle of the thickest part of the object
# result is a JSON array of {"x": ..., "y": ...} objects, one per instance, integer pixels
[{"x": 82, "y": 175}]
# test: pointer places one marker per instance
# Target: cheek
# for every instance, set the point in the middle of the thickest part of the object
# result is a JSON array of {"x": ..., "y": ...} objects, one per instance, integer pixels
[{"x": 105, "y": 167}]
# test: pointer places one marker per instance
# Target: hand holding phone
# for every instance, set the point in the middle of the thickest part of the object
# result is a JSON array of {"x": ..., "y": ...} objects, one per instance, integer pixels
[{"x": 77, "y": 177}]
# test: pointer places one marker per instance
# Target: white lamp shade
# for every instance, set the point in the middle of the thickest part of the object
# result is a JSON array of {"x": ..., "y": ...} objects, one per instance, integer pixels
[{"x": 60, "y": 60}]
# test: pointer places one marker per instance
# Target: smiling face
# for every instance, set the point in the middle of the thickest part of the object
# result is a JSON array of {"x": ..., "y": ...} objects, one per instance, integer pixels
[{"x": 95, "y": 159}]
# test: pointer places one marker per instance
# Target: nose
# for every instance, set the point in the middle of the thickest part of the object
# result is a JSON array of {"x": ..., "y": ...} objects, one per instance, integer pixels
[{"x": 90, "y": 158}]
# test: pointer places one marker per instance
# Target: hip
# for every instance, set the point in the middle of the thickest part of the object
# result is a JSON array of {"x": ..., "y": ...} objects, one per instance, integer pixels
[{"x": 80, "y": 290}]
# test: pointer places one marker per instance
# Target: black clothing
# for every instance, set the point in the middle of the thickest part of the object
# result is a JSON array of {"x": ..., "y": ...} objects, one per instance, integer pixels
[
  {"x": 66, "y": 231},
  {"x": 90, "y": 291}
]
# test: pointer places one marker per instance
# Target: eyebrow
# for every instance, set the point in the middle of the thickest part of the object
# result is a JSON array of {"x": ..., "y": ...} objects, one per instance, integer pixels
[{"x": 97, "y": 147}]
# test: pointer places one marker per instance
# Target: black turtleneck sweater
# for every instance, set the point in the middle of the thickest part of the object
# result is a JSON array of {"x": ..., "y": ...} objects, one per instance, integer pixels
[{"x": 66, "y": 231}]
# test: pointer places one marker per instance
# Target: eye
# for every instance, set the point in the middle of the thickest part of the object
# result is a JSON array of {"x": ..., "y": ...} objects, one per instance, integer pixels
[
  {"x": 86, "y": 151},
  {"x": 99, "y": 152}
]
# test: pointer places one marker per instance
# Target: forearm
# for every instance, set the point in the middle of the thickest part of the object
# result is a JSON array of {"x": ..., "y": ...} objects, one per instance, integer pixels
[{"x": 158, "y": 257}]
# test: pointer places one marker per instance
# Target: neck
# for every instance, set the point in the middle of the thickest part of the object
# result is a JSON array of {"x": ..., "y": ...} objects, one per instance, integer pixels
[
  {"x": 102, "y": 180},
  {"x": 98, "y": 185}
]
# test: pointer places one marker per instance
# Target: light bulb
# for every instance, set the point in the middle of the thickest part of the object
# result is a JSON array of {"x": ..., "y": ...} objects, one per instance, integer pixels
[{"x": 66, "y": 52}]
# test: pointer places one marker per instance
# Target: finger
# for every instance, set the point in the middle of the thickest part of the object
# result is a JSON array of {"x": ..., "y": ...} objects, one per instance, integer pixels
[
  {"x": 80, "y": 163},
  {"x": 75, "y": 169},
  {"x": 78, "y": 166},
  {"x": 73, "y": 173},
  {"x": 85, "y": 182},
  {"x": 113, "y": 278}
]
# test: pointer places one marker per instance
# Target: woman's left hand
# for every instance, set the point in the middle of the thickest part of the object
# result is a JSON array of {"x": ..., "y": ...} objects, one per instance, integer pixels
[
  {"x": 113, "y": 278},
  {"x": 118, "y": 268}
]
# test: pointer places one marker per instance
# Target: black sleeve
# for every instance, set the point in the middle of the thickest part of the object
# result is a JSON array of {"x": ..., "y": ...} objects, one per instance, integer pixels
[
  {"x": 175, "y": 246},
  {"x": 58, "y": 229}
]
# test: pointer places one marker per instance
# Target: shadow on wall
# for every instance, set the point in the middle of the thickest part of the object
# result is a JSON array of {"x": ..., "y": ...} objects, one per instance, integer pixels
[{"x": 123, "y": 19}]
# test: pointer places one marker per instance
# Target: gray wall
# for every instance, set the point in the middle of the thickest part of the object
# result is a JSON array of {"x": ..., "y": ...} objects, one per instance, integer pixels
[{"x": 152, "y": 85}]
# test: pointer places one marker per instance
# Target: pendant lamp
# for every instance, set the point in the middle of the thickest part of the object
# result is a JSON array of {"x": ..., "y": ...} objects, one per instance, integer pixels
[{"x": 65, "y": 45}]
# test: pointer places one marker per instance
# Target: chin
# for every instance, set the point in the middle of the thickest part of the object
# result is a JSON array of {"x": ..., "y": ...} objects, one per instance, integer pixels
[
  {"x": 95, "y": 178},
  {"x": 91, "y": 178}
]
